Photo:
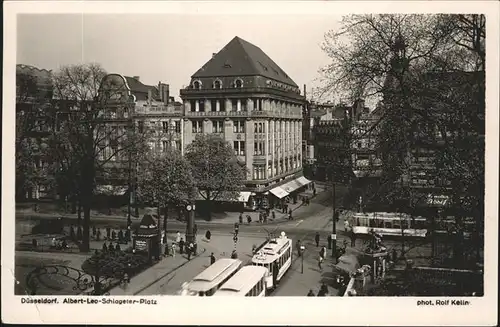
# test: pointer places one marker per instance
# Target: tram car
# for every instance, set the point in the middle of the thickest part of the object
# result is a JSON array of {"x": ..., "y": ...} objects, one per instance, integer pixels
[
  {"x": 276, "y": 256},
  {"x": 388, "y": 224}
]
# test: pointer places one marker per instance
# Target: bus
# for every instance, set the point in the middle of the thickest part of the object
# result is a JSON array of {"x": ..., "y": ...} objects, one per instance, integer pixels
[
  {"x": 211, "y": 279},
  {"x": 276, "y": 256},
  {"x": 388, "y": 224},
  {"x": 248, "y": 281}
]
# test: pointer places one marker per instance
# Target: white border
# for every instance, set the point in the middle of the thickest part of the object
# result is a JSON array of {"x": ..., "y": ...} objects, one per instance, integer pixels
[{"x": 315, "y": 311}]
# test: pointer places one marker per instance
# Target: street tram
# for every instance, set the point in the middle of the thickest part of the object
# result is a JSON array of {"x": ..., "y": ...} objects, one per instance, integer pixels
[
  {"x": 388, "y": 224},
  {"x": 276, "y": 257},
  {"x": 211, "y": 279},
  {"x": 248, "y": 281}
]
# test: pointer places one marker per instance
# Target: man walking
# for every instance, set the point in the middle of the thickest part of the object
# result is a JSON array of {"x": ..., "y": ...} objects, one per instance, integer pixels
[
  {"x": 352, "y": 235},
  {"x": 316, "y": 238},
  {"x": 173, "y": 250},
  {"x": 320, "y": 263},
  {"x": 212, "y": 259}
]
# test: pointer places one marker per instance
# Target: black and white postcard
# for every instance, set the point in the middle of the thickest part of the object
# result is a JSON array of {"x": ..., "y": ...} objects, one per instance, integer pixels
[{"x": 159, "y": 153}]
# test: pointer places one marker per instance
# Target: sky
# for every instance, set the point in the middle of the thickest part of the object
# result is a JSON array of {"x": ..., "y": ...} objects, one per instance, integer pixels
[{"x": 171, "y": 47}]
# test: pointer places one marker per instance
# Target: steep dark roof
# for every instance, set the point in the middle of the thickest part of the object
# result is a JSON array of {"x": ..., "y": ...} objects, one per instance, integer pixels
[
  {"x": 241, "y": 58},
  {"x": 138, "y": 87}
]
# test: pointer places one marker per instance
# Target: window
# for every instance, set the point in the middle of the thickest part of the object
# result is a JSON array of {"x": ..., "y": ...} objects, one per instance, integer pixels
[
  {"x": 165, "y": 126},
  {"x": 234, "y": 105},
  {"x": 259, "y": 148},
  {"x": 197, "y": 126},
  {"x": 258, "y": 127},
  {"x": 165, "y": 146},
  {"x": 202, "y": 105},
  {"x": 238, "y": 83},
  {"x": 239, "y": 148},
  {"x": 177, "y": 126},
  {"x": 193, "y": 105},
  {"x": 217, "y": 84},
  {"x": 217, "y": 126},
  {"x": 178, "y": 145},
  {"x": 197, "y": 85},
  {"x": 239, "y": 126}
]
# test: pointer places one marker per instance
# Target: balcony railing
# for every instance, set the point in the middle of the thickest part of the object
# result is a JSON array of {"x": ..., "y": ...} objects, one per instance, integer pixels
[{"x": 263, "y": 114}]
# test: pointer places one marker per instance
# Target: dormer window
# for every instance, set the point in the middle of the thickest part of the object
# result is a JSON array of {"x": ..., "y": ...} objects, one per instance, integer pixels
[
  {"x": 197, "y": 85},
  {"x": 238, "y": 83},
  {"x": 218, "y": 84}
]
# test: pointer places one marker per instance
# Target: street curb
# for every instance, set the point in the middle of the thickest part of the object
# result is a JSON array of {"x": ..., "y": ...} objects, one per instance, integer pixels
[{"x": 167, "y": 273}]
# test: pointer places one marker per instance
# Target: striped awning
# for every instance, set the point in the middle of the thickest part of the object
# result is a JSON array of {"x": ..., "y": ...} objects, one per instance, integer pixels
[
  {"x": 279, "y": 192},
  {"x": 244, "y": 196}
]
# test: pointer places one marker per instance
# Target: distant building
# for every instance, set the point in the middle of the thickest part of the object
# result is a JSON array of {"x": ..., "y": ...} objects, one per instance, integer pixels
[
  {"x": 245, "y": 97},
  {"x": 34, "y": 95}
]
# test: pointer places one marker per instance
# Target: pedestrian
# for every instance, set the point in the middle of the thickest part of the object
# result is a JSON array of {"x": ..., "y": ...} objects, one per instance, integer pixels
[
  {"x": 54, "y": 243},
  {"x": 311, "y": 293},
  {"x": 249, "y": 219},
  {"x": 208, "y": 235},
  {"x": 94, "y": 231},
  {"x": 64, "y": 244},
  {"x": 212, "y": 258},
  {"x": 111, "y": 247},
  {"x": 178, "y": 237},
  {"x": 189, "y": 249},
  {"x": 316, "y": 238},
  {"x": 108, "y": 233},
  {"x": 307, "y": 201},
  {"x": 299, "y": 251},
  {"x": 320, "y": 263},
  {"x": 34, "y": 243},
  {"x": 181, "y": 246},
  {"x": 98, "y": 237},
  {"x": 323, "y": 291},
  {"x": 322, "y": 252},
  {"x": 117, "y": 247},
  {"x": 240, "y": 218},
  {"x": 173, "y": 250},
  {"x": 314, "y": 192},
  {"x": 346, "y": 224},
  {"x": 113, "y": 235},
  {"x": 353, "y": 238},
  {"x": 290, "y": 214},
  {"x": 104, "y": 247},
  {"x": 329, "y": 239},
  {"x": 72, "y": 233},
  {"x": 274, "y": 215},
  {"x": 195, "y": 229},
  {"x": 120, "y": 236}
]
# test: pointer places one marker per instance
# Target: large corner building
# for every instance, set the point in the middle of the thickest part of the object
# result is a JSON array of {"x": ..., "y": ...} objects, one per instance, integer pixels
[{"x": 245, "y": 97}]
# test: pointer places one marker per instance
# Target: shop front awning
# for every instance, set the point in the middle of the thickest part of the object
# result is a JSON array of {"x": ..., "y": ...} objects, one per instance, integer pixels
[
  {"x": 244, "y": 196},
  {"x": 279, "y": 192},
  {"x": 111, "y": 190},
  {"x": 291, "y": 186},
  {"x": 226, "y": 197},
  {"x": 304, "y": 181}
]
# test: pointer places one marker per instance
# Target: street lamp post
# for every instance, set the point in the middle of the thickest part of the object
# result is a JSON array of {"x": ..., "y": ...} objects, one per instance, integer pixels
[
  {"x": 190, "y": 223},
  {"x": 302, "y": 248},
  {"x": 334, "y": 228}
]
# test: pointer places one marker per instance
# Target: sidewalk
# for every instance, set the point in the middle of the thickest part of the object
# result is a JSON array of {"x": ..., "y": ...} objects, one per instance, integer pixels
[
  {"x": 217, "y": 218},
  {"x": 167, "y": 276}
]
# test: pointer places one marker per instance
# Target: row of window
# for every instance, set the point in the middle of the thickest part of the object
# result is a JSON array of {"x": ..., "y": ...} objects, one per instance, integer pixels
[
  {"x": 166, "y": 126},
  {"x": 257, "y": 289},
  {"x": 217, "y": 84},
  {"x": 220, "y": 105},
  {"x": 259, "y": 171}
]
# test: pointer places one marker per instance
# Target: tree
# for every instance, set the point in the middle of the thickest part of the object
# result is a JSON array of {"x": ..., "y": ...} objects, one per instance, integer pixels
[
  {"x": 410, "y": 63},
  {"x": 165, "y": 179},
  {"x": 218, "y": 174},
  {"x": 87, "y": 142}
]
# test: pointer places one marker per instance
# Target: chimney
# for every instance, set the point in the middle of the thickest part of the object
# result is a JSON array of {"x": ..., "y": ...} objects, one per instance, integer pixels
[
  {"x": 137, "y": 78},
  {"x": 166, "y": 93},
  {"x": 305, "y": 93}
]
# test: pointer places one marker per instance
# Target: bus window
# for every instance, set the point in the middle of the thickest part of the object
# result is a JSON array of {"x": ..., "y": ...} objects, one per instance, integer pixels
[
  {"x": 381, "y": 223},
  {"x": 418, "y": 224},
  {"x": 388, "y": 224},
  {"x": 396, "y": 224},
  {"x": 405, "y": 224},
  {"x": 372, "y": 223},
  {"x": 357, "y": 220}
]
